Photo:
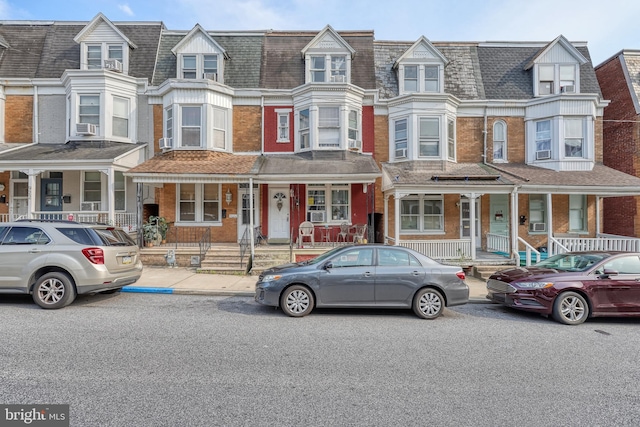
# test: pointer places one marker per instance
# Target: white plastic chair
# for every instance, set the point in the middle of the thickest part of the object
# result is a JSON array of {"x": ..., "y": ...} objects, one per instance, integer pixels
[{"x": 306, "y": 231}]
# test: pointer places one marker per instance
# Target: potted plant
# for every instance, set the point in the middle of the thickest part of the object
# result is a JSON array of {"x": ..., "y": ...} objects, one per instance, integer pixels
[
  {"x": 162, "y": 226},
  {"x": 151, "y": 231}
]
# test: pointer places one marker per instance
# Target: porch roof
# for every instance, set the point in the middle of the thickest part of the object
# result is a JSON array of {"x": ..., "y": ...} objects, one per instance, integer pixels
[
  {"x": 447, "y": 177},
  {"x": 318, "y": 167},
  {"x": 444, "y": 177},
  {"x": 70, "y": 156},
  {"x": 195, "y": 165},
  {"x": 601, "y": 180}
]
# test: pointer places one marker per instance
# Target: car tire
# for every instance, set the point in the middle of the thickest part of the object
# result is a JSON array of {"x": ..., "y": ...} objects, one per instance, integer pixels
[
  {"x": 297, "y": 301},
  {"x": 54, "y": 290},
  {"x": 428, "y": 303},
  {"x": 570, "y": 308}
]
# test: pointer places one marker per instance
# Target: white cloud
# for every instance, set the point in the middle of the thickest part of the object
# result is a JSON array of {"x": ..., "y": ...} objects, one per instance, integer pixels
[{"x": 126, "y": 9}]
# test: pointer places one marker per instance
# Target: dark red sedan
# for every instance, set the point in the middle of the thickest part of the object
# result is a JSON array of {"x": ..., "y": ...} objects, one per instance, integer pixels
[{"x": 572, "y": 286}]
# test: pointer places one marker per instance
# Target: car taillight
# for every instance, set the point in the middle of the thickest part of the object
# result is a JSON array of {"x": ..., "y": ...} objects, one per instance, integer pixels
[
  {"x": 461, "y": 275},
  {"x": 95, "y": 255}
]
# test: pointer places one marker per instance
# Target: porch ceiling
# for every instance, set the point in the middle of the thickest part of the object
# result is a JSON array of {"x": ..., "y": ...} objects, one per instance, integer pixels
[{"x": 70, "y": 156}]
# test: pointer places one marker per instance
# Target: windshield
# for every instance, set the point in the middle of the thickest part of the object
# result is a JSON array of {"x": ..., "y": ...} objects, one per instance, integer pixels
[{"x": 572, "y": 262}]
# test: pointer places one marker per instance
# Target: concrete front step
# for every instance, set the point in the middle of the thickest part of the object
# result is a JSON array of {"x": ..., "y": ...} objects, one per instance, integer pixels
[{"x": 483, "y": 272}]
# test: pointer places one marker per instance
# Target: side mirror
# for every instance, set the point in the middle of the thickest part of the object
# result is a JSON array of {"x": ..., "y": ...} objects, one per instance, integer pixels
[
  {"x": 608, "y": 272},
  {"x": 328, "y": 265}
]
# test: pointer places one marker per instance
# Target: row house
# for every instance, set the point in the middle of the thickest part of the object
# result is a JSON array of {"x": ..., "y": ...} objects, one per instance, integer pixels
[
  {"x": 619, "y": 79},
  {"x": 456, "y": 149}
]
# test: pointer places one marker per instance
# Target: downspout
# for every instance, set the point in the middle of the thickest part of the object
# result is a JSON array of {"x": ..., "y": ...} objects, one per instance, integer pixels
[
  {"x": 262, "y": 123},
  {"x": 484, "y": 138},
  {"x": 36, "y": 134},
  {"x": 251, "y": 223}
]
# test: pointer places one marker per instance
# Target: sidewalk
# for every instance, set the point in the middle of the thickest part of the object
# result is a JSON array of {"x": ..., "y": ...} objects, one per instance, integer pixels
[{"x": 182, "y": 280}]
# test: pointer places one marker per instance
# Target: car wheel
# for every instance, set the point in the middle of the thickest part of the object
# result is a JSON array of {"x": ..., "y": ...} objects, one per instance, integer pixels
[
  {"x": 570, "y": 308},
  {"x": 54, "y": 290},
  {"x": 297, "y": 301},
  {"x": 428, "y": 303}
]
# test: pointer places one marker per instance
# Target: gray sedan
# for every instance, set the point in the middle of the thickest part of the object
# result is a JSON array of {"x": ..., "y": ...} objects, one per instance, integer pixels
[{"x": 377, "y": 276}]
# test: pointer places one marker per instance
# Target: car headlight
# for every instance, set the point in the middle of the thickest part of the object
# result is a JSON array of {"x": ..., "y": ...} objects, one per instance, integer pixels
[
  {"x": 271, "y": 277},
  {"x": 534, "y": 285}
]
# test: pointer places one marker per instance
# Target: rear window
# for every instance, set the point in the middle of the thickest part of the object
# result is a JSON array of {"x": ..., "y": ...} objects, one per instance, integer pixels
[
  {"x": 114, "y": 237},
  {"x": 98, "y": 236},
  {"x": 83, "y": 236}
]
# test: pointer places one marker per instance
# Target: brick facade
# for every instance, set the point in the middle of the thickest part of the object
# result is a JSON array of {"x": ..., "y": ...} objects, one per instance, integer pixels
[{"x": 18, "y": 119}]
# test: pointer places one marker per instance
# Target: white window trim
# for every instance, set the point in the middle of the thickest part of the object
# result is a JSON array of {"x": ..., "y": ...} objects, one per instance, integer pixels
[
  {"x": 283, "y": 113},
  {"x": 200, "y": 69},
  {"x": 556, "y": 78},
  {"x": 503, "y": 141},
  {"x": 421, "y": 198},
  {"x": 83, "y": 178},
  {"x": 179, "y": 143},
  {"x": 100, "y": 112},
  {"x": 421, "y": 77},
  {"x": 543, "y": 211},
  {"x": 440, "y": 144},
  {"x": 104, "y": 54},
  {"x": 328, "y": 70},
  {"x": 328, "y": 202},
  {"x": 127, "y": 117},
  {"x": 394, "y": 143},
  {"x": 583, "y": 210},
  {"x": 199, "y": 207}
]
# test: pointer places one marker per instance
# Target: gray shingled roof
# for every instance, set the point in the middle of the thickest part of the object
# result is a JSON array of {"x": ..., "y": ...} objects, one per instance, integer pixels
[
  {"x": 475, "y": 71},
  {"x": 95, "y": 150},
  {"x": 46, "y": 50},
  {"x": 438, "y": 174},
  {"x": 241, "y": 70},
  {"x": 283, "y": 65}
]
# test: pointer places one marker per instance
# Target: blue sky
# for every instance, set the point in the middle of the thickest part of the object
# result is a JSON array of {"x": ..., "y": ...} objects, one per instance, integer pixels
[{"x": 607, "y": 26}]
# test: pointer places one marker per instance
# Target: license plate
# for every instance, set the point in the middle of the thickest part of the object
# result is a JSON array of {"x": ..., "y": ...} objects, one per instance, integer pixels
[{"x": 126, "y": 259}]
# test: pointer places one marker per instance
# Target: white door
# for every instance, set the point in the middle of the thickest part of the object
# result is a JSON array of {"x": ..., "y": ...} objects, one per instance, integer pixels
[{"x": 279, "y": 213}]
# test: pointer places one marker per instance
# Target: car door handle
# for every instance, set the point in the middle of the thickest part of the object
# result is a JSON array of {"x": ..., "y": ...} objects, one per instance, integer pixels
[
  {"x": 415, "y": 273},
  {"x": 367, "y": 274},
  {"x": 34, "y": 251}
]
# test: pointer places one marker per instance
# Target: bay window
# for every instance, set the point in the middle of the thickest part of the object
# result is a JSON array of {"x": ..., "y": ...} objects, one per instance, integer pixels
[
  {"x": 89, "y": 109},
  {"x": 120, "y": 122},
  {"x": 543, "y": 139},
  {"x": 303, "y": 129},
  {"x": 429, "y": 137},
  {"x": 191, "y": 126},
  {"x": 328, "y": 127},
  {"x": 219, "y": 128},
  {"x": 400, "y": 138},
  {"x": 451, "y": 139},
  {"x": 573, "y": 139}
]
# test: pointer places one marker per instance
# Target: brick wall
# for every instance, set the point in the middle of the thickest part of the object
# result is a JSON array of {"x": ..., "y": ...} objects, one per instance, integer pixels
[
  {"x": 157, "y": 126},
  {"x": 620, "y": 144},
  {"x": 18, "y": 119},
  {"x": 247, "y": 128}
]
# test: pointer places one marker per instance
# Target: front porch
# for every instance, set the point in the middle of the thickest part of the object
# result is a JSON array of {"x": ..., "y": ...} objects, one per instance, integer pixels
[{"x": 126, "y": 220}]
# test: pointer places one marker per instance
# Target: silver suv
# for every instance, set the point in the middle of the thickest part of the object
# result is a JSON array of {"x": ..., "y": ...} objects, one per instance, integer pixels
[{"x": 56, "y": 260}]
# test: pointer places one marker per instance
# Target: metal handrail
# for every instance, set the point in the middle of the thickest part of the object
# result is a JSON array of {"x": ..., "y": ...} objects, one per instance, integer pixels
[{"x": 204, "y": 244}]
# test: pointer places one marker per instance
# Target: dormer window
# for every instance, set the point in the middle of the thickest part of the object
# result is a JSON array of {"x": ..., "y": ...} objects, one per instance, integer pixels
[
  {"x": 328, "y": 58},
  {"x": 567, "y": 79},
  {"x": 317, "y": 69},
  {"x": 411, "y": 78},
  {"x": 555, "y": 78},
  {"x": 200, "y": 67},
  {"x": 421, "y": 68},
  {"x": 338, "y": 70},
  {"x": 103, "y": 46}
]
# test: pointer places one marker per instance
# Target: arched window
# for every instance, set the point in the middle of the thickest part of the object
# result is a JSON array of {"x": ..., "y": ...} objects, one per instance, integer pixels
[{"x": 500, "y": 141}]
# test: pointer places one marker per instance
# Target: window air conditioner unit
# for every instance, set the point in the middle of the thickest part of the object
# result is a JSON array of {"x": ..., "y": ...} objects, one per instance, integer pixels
[
  {"x": 339, "y": 79},
  {"x": 211, "y": 76},
  {"x": 355, "y": 145},
  {"x": 85, "y": 129},
  {"x": 568, "y": 89},
  {"x": 543, "y": 154},
  {"x": 401, "y": 153},
  {"x": 538, "y": 226},
  {"x": 165, "y": 143},
  {"x": 317, "y": 216},
  {"x": 90, "y": 206},
  {"x": 113, "y": 65}
]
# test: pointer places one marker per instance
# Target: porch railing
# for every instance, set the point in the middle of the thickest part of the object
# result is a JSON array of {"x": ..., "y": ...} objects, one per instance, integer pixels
[
  {"x": 528, "y": 251},
  {"x": 605, "y": 242},
  {"x": 125, "y": 220},
  {"x": 454, "y": 249},
  {"x": 498, "y": 243}
]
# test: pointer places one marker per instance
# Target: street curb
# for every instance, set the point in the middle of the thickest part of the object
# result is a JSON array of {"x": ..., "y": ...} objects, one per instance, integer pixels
[
  {"x": 147, "y": 290},
  {"x": 141, "y": 289}
]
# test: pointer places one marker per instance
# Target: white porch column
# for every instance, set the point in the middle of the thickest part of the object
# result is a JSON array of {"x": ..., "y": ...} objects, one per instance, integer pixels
[
  {"x": 598, "y": 225},
  {"x": 386, "y": 218},
  {"x": 472, "y": 223},
  {"x": 549, "y": 221},
  {"x": 396, "y": 215},
  {"x": 251, "y": 222},
  {"x": 515, "y": 222},
  {"x": 32, "y": 202},
  {"x": 111, "y": 194}
]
